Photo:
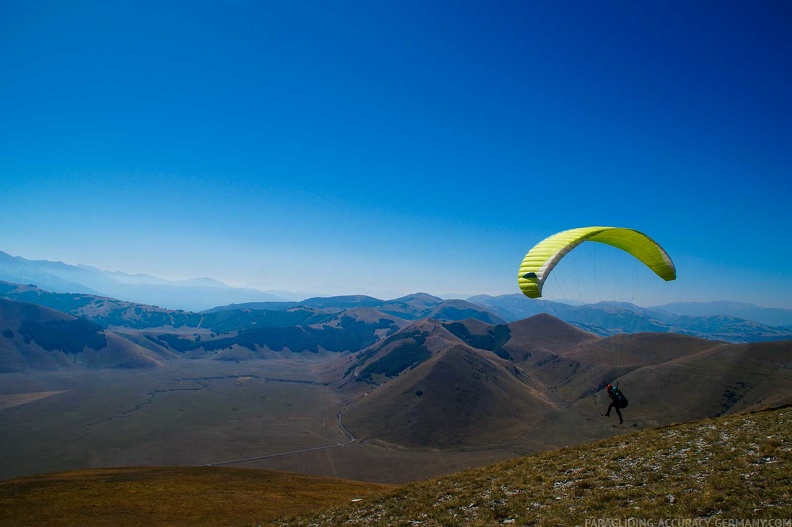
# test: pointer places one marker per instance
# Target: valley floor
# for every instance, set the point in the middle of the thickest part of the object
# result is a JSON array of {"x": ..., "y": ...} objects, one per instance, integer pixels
[{"x": 197, "y": 413}]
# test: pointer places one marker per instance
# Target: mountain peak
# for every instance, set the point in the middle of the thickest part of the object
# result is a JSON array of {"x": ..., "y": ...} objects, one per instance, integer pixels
[{"x": 418, "y": 297}]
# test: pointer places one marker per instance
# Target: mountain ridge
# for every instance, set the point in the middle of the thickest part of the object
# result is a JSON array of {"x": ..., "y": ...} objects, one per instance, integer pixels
[
  {"x": 609, "y": 318},
  {"x": 751, "y": 323}
]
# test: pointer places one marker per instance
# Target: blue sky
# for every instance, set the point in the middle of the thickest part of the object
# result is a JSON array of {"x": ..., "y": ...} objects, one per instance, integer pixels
[{"x": 384, "y": 148}]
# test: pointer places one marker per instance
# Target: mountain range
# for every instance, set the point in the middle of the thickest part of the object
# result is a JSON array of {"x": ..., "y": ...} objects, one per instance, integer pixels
[
  {"x": 604, "y": 319},
  {"x": 729, "y": 321},
  {"x": 714, "y": 320}
]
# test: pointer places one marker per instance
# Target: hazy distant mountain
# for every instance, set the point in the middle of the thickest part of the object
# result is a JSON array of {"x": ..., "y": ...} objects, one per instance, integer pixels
[
  {"x": 517, "y": 306},
  {"x": 193, "y": 295},
  {"x": 462, "y": 310},
  {"x": 101, "y": 310},
  {"x": 412, "y": 307},
  {"x": 770, "y": 316},
  {"x": 610, "y": 318},
  {"x": 253, "y": 306}
]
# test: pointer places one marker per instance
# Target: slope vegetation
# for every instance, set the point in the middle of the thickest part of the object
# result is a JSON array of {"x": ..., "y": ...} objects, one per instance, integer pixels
[{"x": 198, "y": 496}]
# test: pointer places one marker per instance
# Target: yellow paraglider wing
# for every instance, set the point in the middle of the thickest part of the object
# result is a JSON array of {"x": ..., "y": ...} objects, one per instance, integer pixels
[{"x": 544, "y": 256}]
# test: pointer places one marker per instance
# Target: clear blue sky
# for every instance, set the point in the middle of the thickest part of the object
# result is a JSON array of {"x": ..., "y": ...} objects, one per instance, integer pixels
[{"x": 388, "y": 147}]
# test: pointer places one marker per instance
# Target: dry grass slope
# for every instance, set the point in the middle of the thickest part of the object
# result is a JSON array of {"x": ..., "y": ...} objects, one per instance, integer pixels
[
  {"x": 734, "y": 467},
  {"x": 165, "y": 496}
]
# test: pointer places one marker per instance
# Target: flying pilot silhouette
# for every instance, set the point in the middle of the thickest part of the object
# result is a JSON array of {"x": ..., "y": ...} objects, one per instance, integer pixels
[{"x": 618, "y": 400}]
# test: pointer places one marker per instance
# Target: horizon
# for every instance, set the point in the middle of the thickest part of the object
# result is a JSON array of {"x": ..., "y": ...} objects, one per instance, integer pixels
[
  {"x": 296, "y": 297},
  {"x": 384, "y": 149}
]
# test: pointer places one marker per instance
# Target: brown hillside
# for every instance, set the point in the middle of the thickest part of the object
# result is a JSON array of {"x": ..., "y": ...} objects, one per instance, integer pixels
[
  {"x": 725, "y": 379},
  {"x": 164, "y": 496},
  {"x": 120, "y": 353},
  {"x": 536, "y": 342},
  {"x": 34, "y": 337},
  {"x": 476, "y": 327},
  {"x": 16, "y": 356},
  {"x": 13, "y": 314},
  {"x": 584, "y": 369},
  {"x": 405, "y": 349},
  {"x": 458, "y": 397},
  {"x": 546, "y": 333},
  {"x": 629, "y": 351}
]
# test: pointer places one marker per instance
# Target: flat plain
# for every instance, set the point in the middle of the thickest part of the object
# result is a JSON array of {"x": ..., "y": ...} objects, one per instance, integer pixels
[{"x": 270, "y": 414}]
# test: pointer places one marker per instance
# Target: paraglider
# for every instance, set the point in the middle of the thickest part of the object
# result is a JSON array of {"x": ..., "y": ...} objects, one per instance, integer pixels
[
  {"x": 545, "y": 255},
  {"x": 618, "y": 401},
  {"x": 542, "y": 258}
]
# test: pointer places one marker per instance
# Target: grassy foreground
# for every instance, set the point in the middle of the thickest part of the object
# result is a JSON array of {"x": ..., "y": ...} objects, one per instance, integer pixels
[
  {"x": 164, "y": 496},
  {"x": 737, "y": 467}
]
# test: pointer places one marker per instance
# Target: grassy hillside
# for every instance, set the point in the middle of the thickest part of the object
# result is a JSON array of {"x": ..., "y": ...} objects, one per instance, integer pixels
[
  {"x": 161, "y": 496},
  {"x": 734, "y": 467}
]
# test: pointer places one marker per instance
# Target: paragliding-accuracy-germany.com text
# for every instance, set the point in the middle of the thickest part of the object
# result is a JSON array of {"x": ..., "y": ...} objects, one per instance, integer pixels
[{"x": 687, "y": 522}]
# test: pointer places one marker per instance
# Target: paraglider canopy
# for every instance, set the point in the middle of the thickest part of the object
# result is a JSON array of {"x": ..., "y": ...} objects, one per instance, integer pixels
[{"x": 545, "y": 255}]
